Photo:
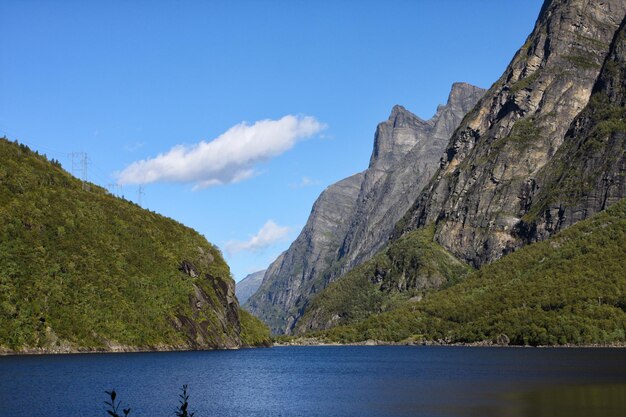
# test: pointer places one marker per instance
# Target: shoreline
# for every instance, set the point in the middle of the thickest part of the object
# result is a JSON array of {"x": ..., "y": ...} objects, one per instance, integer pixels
[
  {"x": 118, "y": 349},
  {"x": 312, "y": 342},
  {"x": 129, "y": 349}
]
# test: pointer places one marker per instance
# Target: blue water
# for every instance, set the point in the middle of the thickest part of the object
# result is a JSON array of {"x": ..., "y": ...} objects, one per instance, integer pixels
[{"x": 323, "y": 381}]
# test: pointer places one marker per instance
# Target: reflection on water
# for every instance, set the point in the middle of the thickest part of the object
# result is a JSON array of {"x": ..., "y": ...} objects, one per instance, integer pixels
[
  {"x": 600, "y": 400},
  {"x": 572, "y": 401},
  {"x": 357, "y": 381}
]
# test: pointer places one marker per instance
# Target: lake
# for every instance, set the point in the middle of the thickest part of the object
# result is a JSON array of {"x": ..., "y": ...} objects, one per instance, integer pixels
[{"x": 325, "y": 381}]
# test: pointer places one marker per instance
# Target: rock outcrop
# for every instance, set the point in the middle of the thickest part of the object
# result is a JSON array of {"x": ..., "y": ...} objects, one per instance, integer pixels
[
  {"x": 248, "y": 286},
  {"x": 588, "y": 173},
  {"x": 353, "y": 218},
  {"x": 299, "y": 271},
  {"x": 478, "y": 196},
  {"x": 393, "y": 182}
]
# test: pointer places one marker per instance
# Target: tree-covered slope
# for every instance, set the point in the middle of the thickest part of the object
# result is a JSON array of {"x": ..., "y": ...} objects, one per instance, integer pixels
[
  {"x": 82, "y": 269},
  {"x": 400, "y": 272},
  {"x": 570, "y": 289}
]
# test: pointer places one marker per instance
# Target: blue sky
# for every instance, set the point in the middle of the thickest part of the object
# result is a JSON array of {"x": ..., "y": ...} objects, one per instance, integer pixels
[{"x": 128, "y": 81}]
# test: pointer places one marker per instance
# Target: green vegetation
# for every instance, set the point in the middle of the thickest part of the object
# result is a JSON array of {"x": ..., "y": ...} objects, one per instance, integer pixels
[
  {"x": 570, "y": 289},
  {"x": 524, "y": 83},
  {"x": 583, "y": 160},
  {"x": 80, "y": 268},
  {"x": 113, "y": 407},
  {"x": 523, "y": 134},
  {"x": 404, "y": 270},
  {"x": 582, "y": 61},
  {"x": 253, "y": 331}
]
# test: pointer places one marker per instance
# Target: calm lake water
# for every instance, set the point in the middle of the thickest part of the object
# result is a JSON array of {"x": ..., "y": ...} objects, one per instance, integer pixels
[{"x": 324, "y": 381}]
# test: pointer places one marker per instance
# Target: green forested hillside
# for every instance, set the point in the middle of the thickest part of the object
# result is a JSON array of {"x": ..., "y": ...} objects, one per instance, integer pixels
[
  {"x": 403, "y": 270},
  {"x": 82, "y": 269},
  {"x": 570, "y": 289}
]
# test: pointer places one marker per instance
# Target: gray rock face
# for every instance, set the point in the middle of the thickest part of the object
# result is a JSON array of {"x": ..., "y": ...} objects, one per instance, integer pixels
[
  {"x": 299, "y": 271},
  {"x": 479, "y": 194},
  {"x": 353, "y": 218},
  {"x": 393, "y": 182},
  {"x": 248, "y": 286},
  {"x": 588, "y": 173}
]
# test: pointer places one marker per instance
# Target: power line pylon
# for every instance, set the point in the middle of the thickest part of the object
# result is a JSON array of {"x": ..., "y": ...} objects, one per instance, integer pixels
[
  {"x": 140, "y": 194},
  {"x": 80, "y": 164}
]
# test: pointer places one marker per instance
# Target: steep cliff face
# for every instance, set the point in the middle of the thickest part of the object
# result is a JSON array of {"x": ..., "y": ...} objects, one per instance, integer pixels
[
  {"x": 248, "y": 286},
  {"x": 399, "y": 274},
  {"x": 477, "y": 197},
  {"x": 588, "y": 173},
  {"x": 294, "y": 275},
  {"x": 390, "y": 187},
  {"x": 354, "y": 218}
]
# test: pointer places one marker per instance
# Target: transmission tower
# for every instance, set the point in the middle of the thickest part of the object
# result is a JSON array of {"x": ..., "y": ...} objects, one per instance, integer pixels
[
  {"x": 140, "y": 194},
  {"x": 80, "y": 165},
  {"x": 115, "y": 189}
]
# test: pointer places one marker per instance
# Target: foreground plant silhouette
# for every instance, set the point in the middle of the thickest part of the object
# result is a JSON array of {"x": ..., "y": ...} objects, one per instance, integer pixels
[
  {"x": 184, "y": 404},
  {"x": 181, "y": 411},
  {"x": 114, "y": 407}
]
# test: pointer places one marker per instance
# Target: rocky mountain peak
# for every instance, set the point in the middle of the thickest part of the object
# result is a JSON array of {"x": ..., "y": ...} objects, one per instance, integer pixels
[
  {"x": 393, "y": 138},
  {"x": 516, "y": 129},
  {"x": 400, "y": 116},
  {"x": 354, "y": 217},
  {"x": 461, "y": 93}
]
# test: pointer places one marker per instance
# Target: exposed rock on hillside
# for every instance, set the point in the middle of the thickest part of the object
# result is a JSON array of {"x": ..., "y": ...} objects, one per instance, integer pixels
[
  {"x": 353, "y": 218},
  {"x": 248, "y": 286},
  {"x": 82, "y": 270},
  {"x": 288, "y": 279},
  {"x": 392, "y": 184},
  {"x": 479, "y": 194},
  {"x": 588, "y": 173}
]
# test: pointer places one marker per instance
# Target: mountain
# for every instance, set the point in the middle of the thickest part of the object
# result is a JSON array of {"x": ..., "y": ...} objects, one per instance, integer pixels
[
  {"x": 402, "y": 272},
  {"x": 248, "y": 286},
  {"x": 584, "y": 176},
  {"x": 479, "y": 195},
  {"x": 83, "y": 270},
  {"x": 353, "y": 218},
  {"x": 588, "y": 173},
  {"x": 567, "y": 290},
  {"x": 293, "y": 273},
  {"x": 394, "y": 179}
]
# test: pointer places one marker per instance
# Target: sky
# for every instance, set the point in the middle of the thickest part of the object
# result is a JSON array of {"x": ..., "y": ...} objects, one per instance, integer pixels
[{"x": 231, "y": 117}]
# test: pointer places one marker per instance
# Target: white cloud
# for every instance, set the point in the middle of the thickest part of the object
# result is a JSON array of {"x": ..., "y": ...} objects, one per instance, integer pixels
[
  {"x": 305, "y": 182},
  {"x": 227, "y": 159},
  {"x": 269, "y": 234}
]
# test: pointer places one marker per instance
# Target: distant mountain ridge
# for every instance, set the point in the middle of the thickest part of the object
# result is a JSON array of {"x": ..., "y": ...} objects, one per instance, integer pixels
[
  {"x": 352, "y": 219},
  {"x": 248, "y": 285}
]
